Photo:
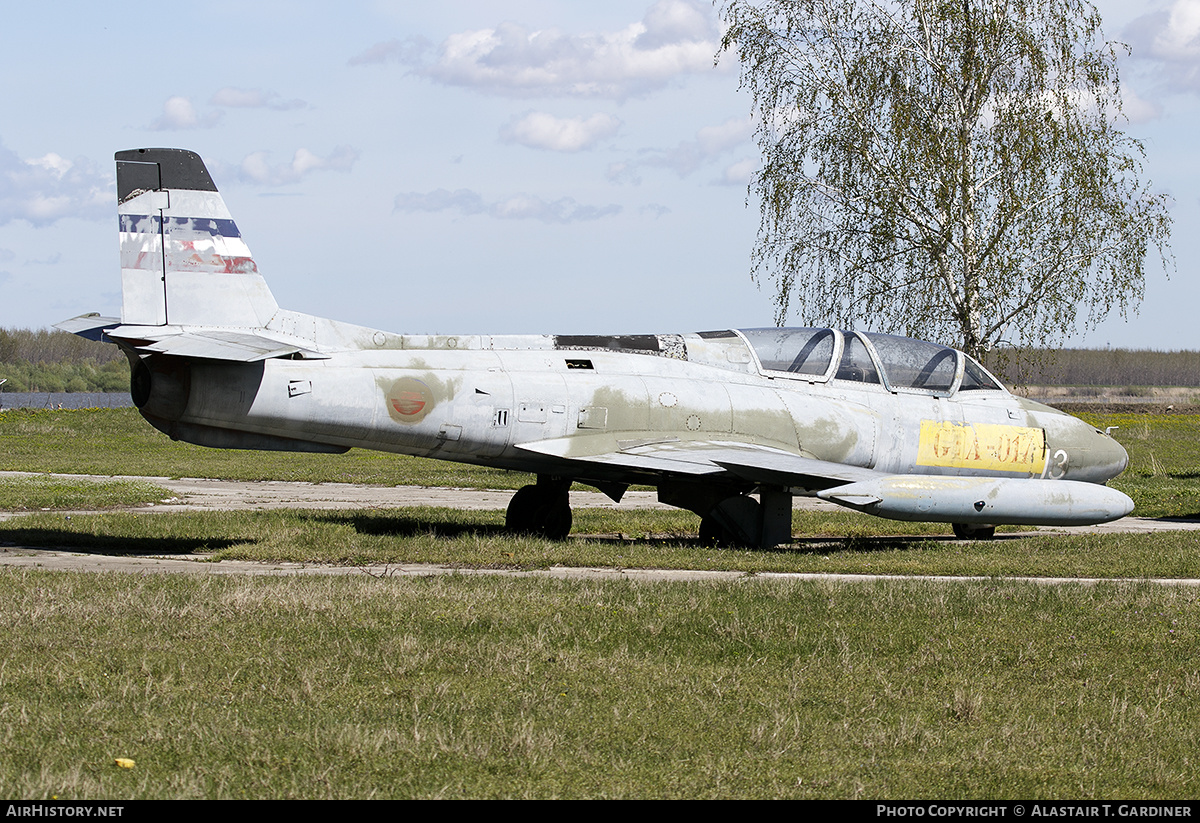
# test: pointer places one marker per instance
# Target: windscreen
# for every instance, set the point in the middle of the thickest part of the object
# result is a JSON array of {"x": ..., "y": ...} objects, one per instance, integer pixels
[{"x": 975, "y": 378}]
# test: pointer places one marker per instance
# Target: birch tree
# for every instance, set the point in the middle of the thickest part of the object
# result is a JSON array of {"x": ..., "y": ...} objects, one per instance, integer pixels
[{"x": 955, "y": 170}]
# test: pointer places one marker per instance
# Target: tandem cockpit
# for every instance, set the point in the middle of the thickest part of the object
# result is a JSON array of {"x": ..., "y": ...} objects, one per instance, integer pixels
[{"x": 898, "y": 364}]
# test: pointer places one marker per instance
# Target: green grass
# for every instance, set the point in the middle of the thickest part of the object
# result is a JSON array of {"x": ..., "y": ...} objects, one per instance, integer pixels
[
  {"x": 1158, "y": 445},
  {"x": 477, "y": 540},
  {"x": 469, "y": 687},
  {"x": 1164, "y": 461},
  {"x": 44, "y": 492}
]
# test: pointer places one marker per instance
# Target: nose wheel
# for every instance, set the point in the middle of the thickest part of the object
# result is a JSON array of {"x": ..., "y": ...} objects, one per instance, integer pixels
[
  {"x": 968, "y": 531},
  {"x": 543, "y": 510}
]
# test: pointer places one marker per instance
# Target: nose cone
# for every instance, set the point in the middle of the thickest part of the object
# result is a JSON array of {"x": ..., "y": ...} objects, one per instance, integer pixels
[
  {"x": 1094, "y": 457},
  {"x": 1116, "y": 456},
  {"x": 1075, "y": 450}
]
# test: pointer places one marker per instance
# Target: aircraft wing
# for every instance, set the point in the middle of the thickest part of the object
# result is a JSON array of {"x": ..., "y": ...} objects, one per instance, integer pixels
[
  {"x": 749, "y": 461},
  {"x": 242, "y": 346},
  {"x": 971, "y": 500}
]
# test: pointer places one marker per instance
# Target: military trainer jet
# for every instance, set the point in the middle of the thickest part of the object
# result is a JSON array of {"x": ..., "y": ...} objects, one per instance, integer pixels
[{"x": 886, "y": 425}]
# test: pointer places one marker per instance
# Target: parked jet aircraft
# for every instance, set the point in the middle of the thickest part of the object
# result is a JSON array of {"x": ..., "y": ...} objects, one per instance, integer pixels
[{"x": 887, "y": 425}]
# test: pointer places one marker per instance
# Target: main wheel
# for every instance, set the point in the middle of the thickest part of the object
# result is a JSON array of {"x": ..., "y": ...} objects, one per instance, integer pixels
[
  {"x": 554, "y": 519},
  {"x": 521, "y": 512},
  {"x": 712, "y": 533},
  {"x": 544, "y": 511}
]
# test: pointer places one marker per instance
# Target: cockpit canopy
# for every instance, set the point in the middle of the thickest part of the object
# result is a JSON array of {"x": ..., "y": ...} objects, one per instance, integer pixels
[{"x": 899, "y": 363}]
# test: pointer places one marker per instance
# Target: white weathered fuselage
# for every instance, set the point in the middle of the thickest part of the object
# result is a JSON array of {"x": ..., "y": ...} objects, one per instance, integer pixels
[{"x": 479, "y": 399}]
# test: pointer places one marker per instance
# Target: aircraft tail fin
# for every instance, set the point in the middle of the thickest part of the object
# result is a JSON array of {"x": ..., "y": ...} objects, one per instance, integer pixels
[{"x": 183, "y": 260}]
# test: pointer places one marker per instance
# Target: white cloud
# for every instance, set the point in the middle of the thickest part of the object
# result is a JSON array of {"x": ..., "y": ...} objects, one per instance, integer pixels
[
  {"x": 462, "y": 200},
  {"x": 713, "y": 140},
  {"x": 45, "y": 189},
  {"x": 513, "y": 207},
  {"x": 1137, "y": 108},
  {"x": 231, "y": 97},
  {"x": 673, "y": 21},
  {"x": 179, "y": 114},
  {"x": 623, "y": 173},
  {"x": 1170, "y": 34},
  {"x": 676, "y": 37},
  {"x": 739, "y": 173},
  {"x": 52, "y": 163},
  {"x": 689, "y": 155},
  {"x": 1169, "y": 40},
  {"x": 408, "y": 52},
  {"x": 256, "y": 168},
  {"x": 540, "y": 130}
]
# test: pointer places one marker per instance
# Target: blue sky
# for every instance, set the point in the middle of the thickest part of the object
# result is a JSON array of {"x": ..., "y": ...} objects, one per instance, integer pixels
[{"x": 467, "y": 166}]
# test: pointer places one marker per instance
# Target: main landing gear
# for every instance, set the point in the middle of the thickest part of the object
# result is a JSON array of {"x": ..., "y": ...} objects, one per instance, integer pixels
[
  {"x": 543, "y": 510},
  {"x": 744, "y": 522}
]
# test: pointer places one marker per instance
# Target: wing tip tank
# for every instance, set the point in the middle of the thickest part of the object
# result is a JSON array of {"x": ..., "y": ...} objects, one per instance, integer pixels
[{"x": 987, "y": 500}]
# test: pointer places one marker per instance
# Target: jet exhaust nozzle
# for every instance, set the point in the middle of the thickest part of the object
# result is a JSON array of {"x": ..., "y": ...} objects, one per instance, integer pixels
[{"x": 160, "y": 386}]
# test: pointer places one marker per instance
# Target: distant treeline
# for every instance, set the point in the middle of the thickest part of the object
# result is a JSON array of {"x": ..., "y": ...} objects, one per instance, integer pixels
[
  {"x": 54, "y": 361},
  {"x": 39, "y": 360},
  {"x": 1096, "y": 367}
]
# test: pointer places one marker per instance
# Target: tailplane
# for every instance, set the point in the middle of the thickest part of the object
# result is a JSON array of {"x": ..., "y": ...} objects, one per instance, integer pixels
[{"x": 183, "y": 260}]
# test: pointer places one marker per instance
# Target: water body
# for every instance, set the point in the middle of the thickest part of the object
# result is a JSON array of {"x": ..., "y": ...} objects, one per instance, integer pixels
[{"x": 65, "y": 400}]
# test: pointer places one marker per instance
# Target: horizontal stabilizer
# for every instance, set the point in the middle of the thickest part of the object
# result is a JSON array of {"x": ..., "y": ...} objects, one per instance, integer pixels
[
  {"x": 240, "y": 346},
  {"x": 211, "y": 344},
  {"x": 92, "y": 326}
]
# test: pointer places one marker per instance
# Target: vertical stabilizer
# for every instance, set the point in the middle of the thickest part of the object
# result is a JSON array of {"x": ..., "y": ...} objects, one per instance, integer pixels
[{"x": 183, "y": 260}]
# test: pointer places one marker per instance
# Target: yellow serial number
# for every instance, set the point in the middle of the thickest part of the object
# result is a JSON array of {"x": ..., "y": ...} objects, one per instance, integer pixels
[{"x": 982, "y": 446}]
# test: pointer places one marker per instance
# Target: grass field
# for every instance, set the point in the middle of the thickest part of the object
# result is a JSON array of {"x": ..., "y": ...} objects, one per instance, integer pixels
[
  {"x": 664, "y": 540},
  {"x": 44, "y": 492},
  {"x": 1163, "y": 477},
  {"x": 462, "y": 686},
  {"x": 471, "y": 687}
]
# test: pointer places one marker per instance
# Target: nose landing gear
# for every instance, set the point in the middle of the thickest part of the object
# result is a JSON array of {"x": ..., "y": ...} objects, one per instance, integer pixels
[{"x": 969, "y": 531}]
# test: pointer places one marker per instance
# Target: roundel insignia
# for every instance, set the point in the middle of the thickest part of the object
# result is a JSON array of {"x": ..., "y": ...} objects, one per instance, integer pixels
[{"x": 409, "y": 400}]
